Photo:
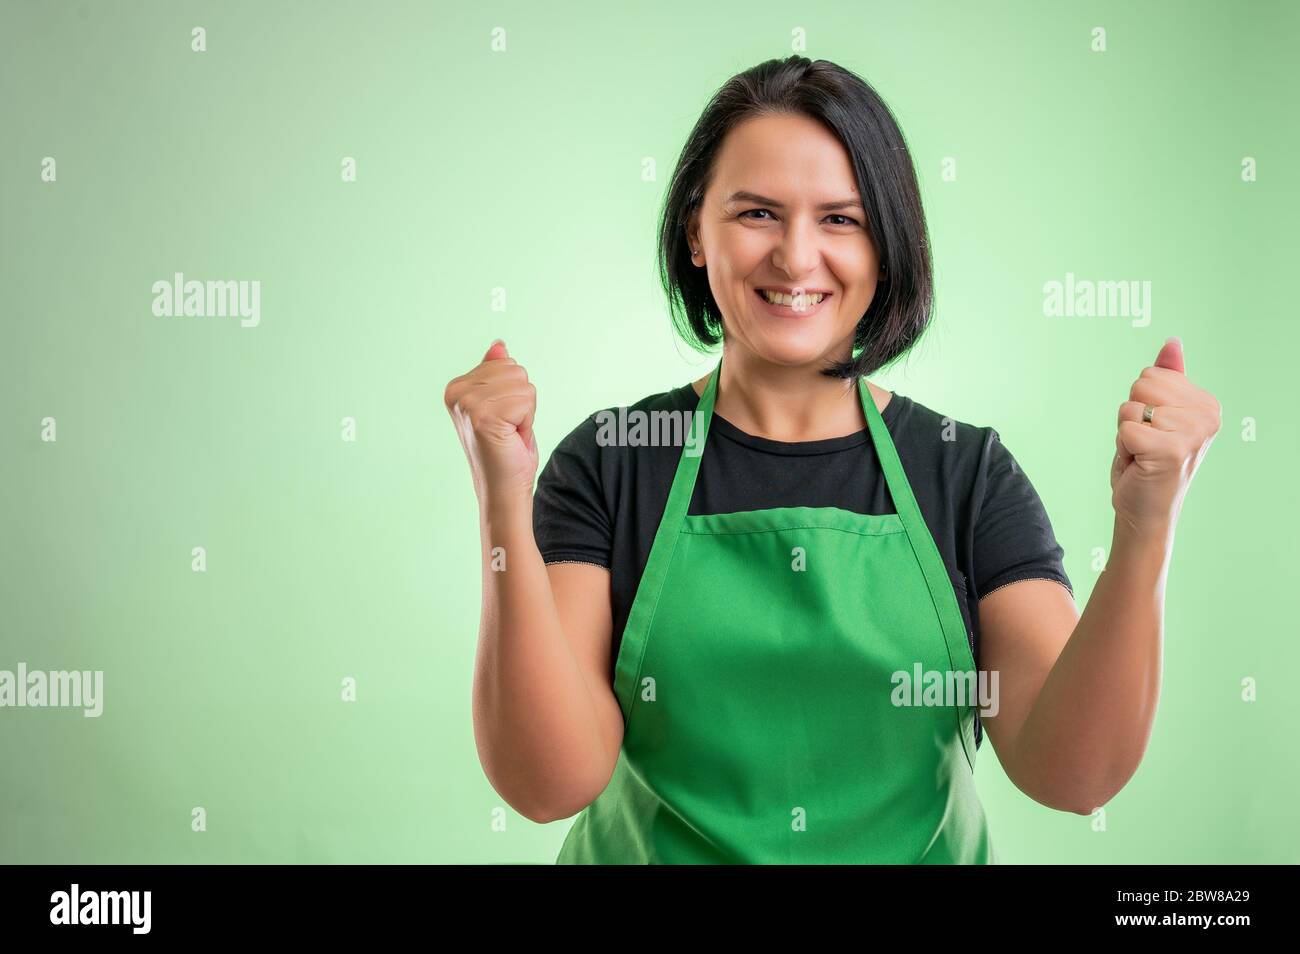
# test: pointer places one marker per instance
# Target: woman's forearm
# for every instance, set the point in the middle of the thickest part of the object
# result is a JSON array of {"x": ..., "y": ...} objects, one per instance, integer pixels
[
  {"x": 1086, "y": 733},
  {"x": 535, "y": 724}
]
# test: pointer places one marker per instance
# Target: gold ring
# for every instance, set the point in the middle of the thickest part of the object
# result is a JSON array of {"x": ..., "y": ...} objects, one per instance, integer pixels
[{"x": 1148, "y": 412}]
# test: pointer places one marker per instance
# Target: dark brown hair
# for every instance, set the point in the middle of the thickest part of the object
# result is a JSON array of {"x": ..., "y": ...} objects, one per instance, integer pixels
[{"x": 846, "y": 105}]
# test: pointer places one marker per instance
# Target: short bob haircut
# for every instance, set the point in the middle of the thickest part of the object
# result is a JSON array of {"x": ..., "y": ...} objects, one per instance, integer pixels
[{"x": 901, "y": 310}]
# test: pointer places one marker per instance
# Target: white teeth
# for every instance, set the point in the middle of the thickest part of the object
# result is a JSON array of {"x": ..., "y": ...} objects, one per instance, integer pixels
[{"x": 807, "y": 299}]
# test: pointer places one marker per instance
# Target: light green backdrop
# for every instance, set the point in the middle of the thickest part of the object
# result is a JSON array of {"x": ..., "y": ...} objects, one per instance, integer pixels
[{"x": 523, "y": 170}]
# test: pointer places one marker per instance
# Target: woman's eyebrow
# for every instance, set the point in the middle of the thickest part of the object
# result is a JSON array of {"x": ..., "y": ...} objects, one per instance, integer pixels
[{"x": 743, "y": 196}]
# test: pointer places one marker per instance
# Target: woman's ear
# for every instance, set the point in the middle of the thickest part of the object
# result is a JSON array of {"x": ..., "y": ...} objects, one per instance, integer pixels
[{"x": 693, "y": 239}]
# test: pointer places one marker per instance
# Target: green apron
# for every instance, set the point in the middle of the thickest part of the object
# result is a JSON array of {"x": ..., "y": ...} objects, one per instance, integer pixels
[{"x": 757, "y": 680}]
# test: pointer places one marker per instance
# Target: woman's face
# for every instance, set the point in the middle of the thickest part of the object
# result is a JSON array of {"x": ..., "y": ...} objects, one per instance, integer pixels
[{"x": 764, "y": 224}]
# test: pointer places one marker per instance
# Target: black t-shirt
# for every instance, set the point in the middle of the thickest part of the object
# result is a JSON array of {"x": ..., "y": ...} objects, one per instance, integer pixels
[{"x": 601, "y": 503}]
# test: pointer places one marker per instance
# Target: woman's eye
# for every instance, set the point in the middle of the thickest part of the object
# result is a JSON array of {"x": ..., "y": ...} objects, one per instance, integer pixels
[{"x": 847, "y": 220}]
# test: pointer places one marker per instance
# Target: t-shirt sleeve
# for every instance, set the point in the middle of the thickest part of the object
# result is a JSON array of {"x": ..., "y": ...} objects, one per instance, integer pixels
[
  {"x": 1013, "y": 537},
  {"x": 570, "y": 519}
]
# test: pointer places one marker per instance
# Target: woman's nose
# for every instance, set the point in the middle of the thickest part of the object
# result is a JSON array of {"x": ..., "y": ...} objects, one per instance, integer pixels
[{"x": 798, "y": 251}]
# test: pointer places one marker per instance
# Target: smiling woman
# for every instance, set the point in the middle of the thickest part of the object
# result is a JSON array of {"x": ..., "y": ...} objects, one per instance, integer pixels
[
  {"x": 767, "y": 622},
  {"x": 697, "y": 648}
]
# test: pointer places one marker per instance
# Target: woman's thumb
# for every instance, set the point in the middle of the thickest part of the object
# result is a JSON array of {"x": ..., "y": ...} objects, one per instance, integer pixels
[
  {"x": 1171, "y": 356},
  {"x": 497, "y": 349}
]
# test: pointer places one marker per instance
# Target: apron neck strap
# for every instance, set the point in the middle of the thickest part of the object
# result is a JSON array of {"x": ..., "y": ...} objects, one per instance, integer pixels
[{"x": 900, "y": 491}]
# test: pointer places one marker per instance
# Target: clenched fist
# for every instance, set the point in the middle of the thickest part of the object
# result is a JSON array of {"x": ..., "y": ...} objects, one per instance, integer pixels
[
  {"x": 492, "y": 407},
  {"x": 1155, "y": 459}
]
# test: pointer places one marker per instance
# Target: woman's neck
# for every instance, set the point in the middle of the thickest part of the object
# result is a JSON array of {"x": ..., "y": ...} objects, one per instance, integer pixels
[{"x": 790, "y": 405}]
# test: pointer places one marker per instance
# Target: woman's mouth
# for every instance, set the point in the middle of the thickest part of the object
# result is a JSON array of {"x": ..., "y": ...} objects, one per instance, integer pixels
[{"x": 784, "y": 305}]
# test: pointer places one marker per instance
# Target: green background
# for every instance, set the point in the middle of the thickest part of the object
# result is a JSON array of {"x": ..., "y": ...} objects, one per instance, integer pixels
[{"x": 522, "y": 170}]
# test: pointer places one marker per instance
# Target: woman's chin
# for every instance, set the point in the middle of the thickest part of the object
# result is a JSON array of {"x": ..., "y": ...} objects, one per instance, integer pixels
[{"x": 792, "y": 353}]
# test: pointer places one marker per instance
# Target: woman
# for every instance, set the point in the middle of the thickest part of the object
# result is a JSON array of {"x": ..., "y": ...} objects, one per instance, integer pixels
[{"x": 715, "y": 648}]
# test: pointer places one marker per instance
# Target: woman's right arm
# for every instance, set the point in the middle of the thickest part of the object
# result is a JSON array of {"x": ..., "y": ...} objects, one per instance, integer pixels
[{"x": 547, "y": 724}]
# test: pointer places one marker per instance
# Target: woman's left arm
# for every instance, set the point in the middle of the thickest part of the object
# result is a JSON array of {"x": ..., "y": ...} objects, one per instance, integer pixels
[{"x": 1077, "y": 694}]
